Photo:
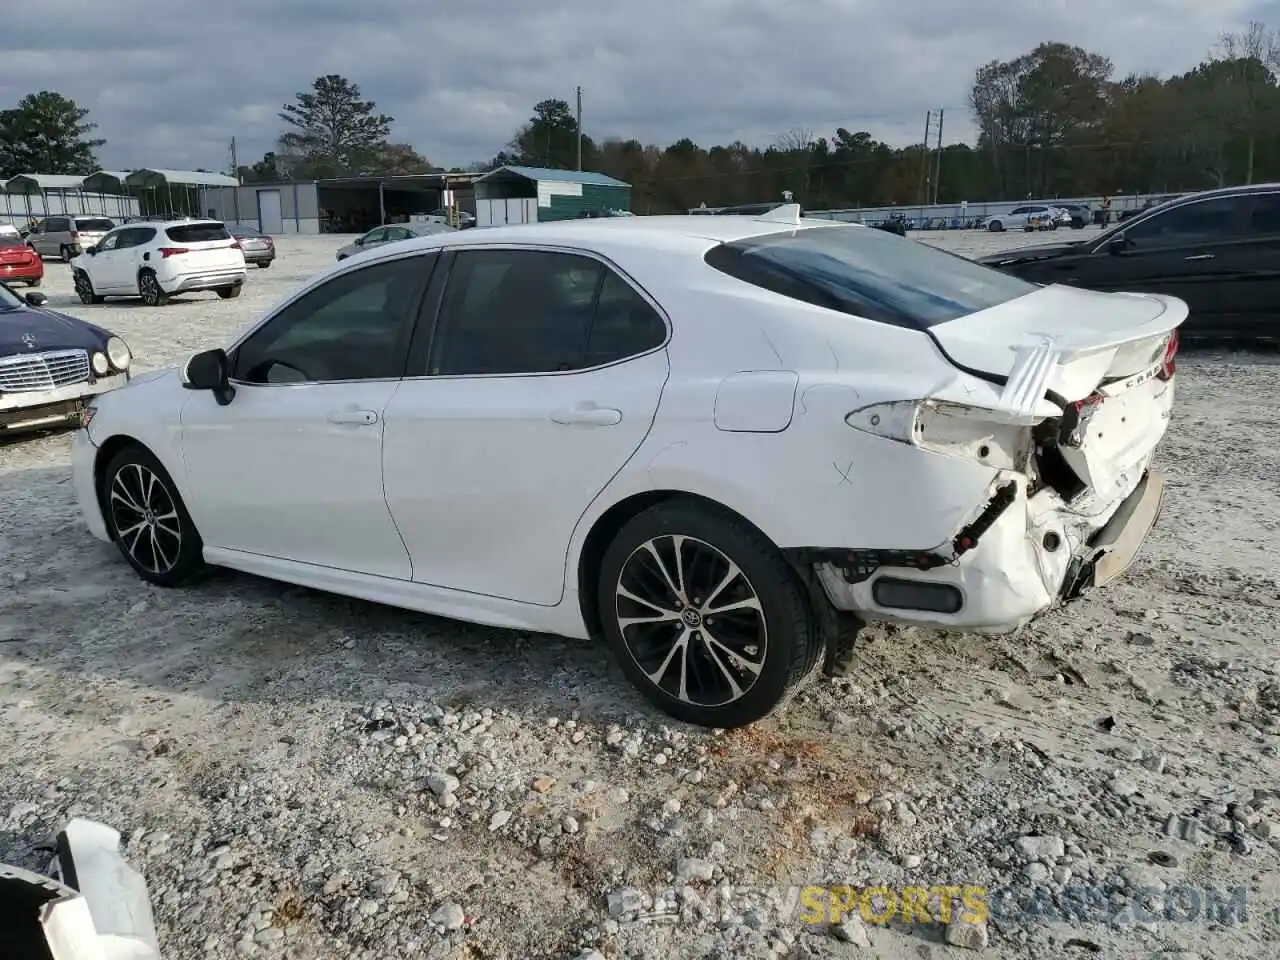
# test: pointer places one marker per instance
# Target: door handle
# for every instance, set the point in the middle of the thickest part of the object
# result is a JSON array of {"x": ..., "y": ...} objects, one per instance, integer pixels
[
  {"x": 587, "y": 414},
  {"x": 1199, "y": 256},
  {"x": 355, "y": 418}
]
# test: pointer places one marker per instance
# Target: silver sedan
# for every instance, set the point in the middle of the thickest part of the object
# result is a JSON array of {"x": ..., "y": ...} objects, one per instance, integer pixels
[{"x": 390, "y": 234}]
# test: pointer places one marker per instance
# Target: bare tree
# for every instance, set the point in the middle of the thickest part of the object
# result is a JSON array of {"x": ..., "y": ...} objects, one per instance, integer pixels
[{"x": 1251, "y": 60}]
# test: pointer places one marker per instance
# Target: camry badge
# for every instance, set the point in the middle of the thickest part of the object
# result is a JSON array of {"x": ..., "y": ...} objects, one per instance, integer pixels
[{"x": 29, "y": 340}]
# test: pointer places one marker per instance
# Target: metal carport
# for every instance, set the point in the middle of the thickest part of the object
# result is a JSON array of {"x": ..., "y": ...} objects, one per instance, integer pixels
[{"x": 151, "y": 182}]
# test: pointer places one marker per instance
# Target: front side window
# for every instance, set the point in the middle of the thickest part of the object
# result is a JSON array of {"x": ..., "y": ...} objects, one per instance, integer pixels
[
  {"x": 1200, "y": 222},
  {"x": 867, "y": 273},
  {"x": 377, "y": 235},
  {"x": 110, "y": 242},
  {"x": 57, "y": 225},
  {"x": 353, "y": 327},
  {"x": 533, "y": 311}
]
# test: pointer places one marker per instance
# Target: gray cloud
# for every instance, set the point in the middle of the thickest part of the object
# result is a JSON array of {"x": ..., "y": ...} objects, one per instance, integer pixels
[{"x": 170, "y": 82}]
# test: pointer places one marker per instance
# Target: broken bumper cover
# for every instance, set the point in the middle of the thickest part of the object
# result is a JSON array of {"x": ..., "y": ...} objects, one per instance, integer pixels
[
  {"x": 35, "y": 410},
  {"x": 1032, "y": 555}
]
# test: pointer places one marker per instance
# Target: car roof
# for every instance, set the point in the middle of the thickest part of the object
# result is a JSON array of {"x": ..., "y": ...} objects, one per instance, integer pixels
[
  {"x": 185, "y": 222},
  {"x": 679, "y": 232}
]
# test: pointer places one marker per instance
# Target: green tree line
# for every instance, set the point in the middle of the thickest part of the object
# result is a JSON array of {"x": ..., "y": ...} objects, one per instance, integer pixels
[{"x": 1054, "y": 122}]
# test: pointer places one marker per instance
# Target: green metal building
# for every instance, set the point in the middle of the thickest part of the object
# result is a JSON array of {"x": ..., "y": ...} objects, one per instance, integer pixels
[{"x": 537, "y": 194}]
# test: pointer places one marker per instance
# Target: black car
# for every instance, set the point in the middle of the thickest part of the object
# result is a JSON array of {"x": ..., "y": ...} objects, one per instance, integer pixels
[
  {"x": 1219, "y": 251},
  {"x": 51, "y": 364}
]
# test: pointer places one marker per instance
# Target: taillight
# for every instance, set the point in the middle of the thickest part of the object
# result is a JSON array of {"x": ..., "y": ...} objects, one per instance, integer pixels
[
  {"x": 167, "y": 252},
  {"x": 74, "y": 236},
  {"x": 1168, "y": 366}
]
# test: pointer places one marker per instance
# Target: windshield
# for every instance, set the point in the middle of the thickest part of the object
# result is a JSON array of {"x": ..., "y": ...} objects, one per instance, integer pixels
[
  {"x": 9, "y": 300},
  {"x": 868, "y": 273},
  {"x": 94, "y": 224}
]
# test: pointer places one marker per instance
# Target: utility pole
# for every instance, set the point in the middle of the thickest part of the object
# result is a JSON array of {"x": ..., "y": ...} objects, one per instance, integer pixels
[
  {"x": 924, "y": 160},
  {"x": 579, "y": 128},
  {"x": 937, "y": 168},
  {"x": 235, "y": 162}
]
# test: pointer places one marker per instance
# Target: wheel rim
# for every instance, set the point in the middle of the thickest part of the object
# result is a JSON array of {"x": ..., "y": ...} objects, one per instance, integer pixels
[
  {"x": 145, "y": 518},
  {"x": 691, "y": 620},
  {"x": 150, "y": 288},
  {"x": 84, "y": 289}
]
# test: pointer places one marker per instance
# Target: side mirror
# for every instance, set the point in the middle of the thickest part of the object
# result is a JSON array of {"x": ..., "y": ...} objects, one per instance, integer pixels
[
  {"x": 36, "y": 299},
  {"x": 210, "y": 370},
  {"x": 1118, "y": 245},
  {"x": 92, "y": 251},
  {"x": 359, "y": 241}
]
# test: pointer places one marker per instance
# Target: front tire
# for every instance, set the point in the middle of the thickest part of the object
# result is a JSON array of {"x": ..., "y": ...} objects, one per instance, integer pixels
[
  {"x": 147, "y": 519},
  {"x": 230, "y": 293},
  {"x": 995, "y": 226},
  {"x": 84, "y": 288},
  {"x": 150, "y": 291},
  {"x": 705, "y": 616}
]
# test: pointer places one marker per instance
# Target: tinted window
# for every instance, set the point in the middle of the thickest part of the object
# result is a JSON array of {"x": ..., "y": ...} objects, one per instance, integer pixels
[
  {"x": 94, "y": 224},
  {"x": 516, "y": 311},
  {"x": 868, "y": 273},
  {"x": 9, "y": 241},
  {"x": 1265, "y": 215},
  {"x": 136, "y": 236},
  {"x": 354, "y": 327},
  {"x": 197, "y": 233},
  {"x": 110, "y": 242},
  {"x": 625, "y": 324},
  {"x": 56, "y": 225},
  {"x": 528, "y": 311},
  {"x": 1212, "y": 219}
]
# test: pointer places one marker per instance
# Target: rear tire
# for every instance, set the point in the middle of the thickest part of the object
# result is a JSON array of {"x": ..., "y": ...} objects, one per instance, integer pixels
[
  {"x": 65, "y": 253},
  {"x": 149, "y": 289},
  {"x": 263, "y": 264},
  {"x": 230, "y": 293},
  {"x": 147, "y": 519},
  {"x": 729, "y": 579},
  {"x": 84, "y": 288},
  {"x": 36, "y": 282}
]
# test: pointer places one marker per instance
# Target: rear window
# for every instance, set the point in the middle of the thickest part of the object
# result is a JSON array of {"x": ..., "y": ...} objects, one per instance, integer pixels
[
  {"x": 868, "y": 273},
  {"x": 197, "y": 232},
  {"x": 9, "y": 240},
  {"x": 94, "y": 224}
]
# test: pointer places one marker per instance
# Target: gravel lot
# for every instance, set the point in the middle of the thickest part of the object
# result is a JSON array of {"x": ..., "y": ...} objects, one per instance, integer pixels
[{"x": 306, "y": 776}]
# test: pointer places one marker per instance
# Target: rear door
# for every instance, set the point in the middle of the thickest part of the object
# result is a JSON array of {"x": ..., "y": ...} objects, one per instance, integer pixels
[
  {"x": 53, "y": 234},
  {"x": 540, "y": 382},
  {"x": 1251, "y": 300},
  {"x": 204, "y": 246}
]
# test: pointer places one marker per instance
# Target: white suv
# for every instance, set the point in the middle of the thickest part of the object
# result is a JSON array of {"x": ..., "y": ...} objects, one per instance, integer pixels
[{"x": 155, "y": 261}]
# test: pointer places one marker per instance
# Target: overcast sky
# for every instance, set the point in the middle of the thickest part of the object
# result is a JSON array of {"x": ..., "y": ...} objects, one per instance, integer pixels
[{"x": 170, "y": 82}]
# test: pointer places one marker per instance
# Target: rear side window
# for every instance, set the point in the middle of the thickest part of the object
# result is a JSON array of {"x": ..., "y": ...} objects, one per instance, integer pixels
[
  {"x": 868, "y": 273},
  {"x": 1265, "y": 215},
  {"x": 197, "y": 232},
  {"x": 94, "y": 224}
]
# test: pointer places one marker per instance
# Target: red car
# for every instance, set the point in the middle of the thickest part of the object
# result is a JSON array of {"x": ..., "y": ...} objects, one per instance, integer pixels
[{"x": 18, "y": 262}]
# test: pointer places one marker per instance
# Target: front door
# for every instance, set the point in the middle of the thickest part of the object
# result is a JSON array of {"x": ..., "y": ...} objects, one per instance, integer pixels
[
  {"x": 1184, "y": 251},
  {"x": 292, "y": 467},
  {"x": 106, "y": 263},
  {"x": 541, "y": 382}
]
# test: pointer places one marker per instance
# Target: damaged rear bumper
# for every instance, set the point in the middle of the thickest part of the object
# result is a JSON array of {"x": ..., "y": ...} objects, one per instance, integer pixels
[{"x": 1021, "y": 556}]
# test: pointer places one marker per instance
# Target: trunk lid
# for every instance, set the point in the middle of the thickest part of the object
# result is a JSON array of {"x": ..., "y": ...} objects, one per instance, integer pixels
[
  {"x": 14, "y": 253},
  {"x": 1060, "y": 339}
]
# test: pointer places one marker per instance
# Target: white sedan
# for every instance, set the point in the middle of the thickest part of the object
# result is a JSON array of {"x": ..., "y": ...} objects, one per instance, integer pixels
[{"x": 720, "y": 443}]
